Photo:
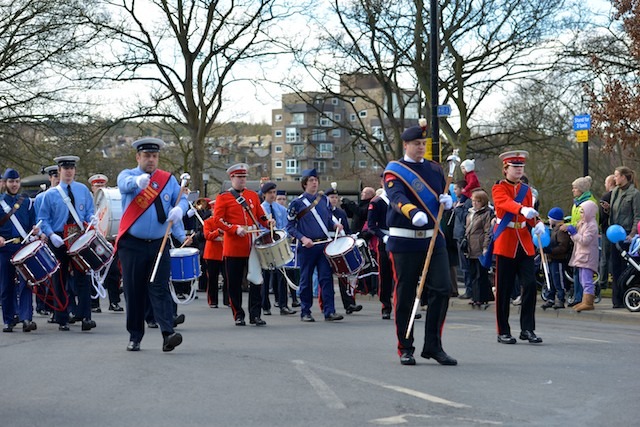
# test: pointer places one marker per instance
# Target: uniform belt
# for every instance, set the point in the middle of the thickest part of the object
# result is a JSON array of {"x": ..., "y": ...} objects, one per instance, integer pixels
[
  {"x": 512, "y": 224},
  {"x": 322, "y": 239},
  {"x": 385, "y": 232},
  {"x": 410, "y": 233},
  {"x": 142, "y": 240}
]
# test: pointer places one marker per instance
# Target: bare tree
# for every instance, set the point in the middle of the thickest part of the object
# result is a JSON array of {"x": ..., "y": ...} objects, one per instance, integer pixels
[{"x": 189, "y": 54}]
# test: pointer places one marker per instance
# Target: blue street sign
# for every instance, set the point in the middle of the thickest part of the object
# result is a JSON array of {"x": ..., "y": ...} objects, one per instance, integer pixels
[
  {"x": 444, "y": 110},
  {"x": 582, "y": 122}
]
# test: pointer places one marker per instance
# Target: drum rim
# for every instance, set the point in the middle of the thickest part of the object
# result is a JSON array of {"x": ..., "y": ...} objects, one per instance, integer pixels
[
  {"x": 35, "y": 243},
  {"x": 91, "y": 233},
  {"x": 176, "y": 252},
  {"x": 334, "y": 242},
  {"x": 277, "y": 242}
]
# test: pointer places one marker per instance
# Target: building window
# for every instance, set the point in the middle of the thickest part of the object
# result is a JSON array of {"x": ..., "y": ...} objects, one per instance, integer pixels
[
  {"x": 387, "y": 148},
  {"x": 376, "y": 132},
  {"x": 278, "y": 179},
  {"x": 319, "y": 135},
  {"x": 278, "y": 148},
  {"x": 292, "y": 167},
  {"x": 293, "y": 135},
  {"x": 297, "y": 118},
  {"x": 335, "y": 164},
  {"x": 278, "y": 165},
  {"x": 362, "y": 113},
  {"x": 325, "y": 151},
  {"x": 278, "y": 133},
  {"x": 353, "y": 99},
  {"x": 326, "y": 118},
  {"x": 362, "y": 148},
  {"x": 278, "y": 117},
  {"x": 334, "y": 101},
  {"x": 352, "y": 117},
  {"x": 337, "y": 117},
  {"x": 320, "y": 166},
  {"x": 362, "y": 164},
  {"x": 336, "y": 133},
  {"x": 297, "y": 150}
]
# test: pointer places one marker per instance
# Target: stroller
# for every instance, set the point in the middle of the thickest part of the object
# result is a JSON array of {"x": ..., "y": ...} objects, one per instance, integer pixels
[{"x": 630, "y": 277}]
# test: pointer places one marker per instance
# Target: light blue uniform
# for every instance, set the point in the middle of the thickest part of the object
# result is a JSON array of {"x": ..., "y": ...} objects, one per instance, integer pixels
[{"x": 53, "y": 212}]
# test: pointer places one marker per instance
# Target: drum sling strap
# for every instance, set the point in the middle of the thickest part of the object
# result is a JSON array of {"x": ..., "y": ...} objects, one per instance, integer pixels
[
  {"x": 72, "y": 210},
  {"x": 254, "y": 272},
  {"x": 143, "y": 201},
  {"x": 311, "y": 207},
  {"x": 10, "y": 215},
  {"x": 243, "y": 202}
]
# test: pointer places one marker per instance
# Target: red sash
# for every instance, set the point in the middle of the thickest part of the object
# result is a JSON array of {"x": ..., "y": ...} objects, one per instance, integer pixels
[{"x": 142, "y": 201}]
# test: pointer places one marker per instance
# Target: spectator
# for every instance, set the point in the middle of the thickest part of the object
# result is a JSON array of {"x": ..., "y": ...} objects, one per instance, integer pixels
[
  {"x": 558, "y": 251},
  {"x": 605, "y": 269},
  {"x": 585, "y": 251},
  {"x": 468, "y": 168},
  {"x": 478, "y": 235},
  {"x": 460, "y": 211}
]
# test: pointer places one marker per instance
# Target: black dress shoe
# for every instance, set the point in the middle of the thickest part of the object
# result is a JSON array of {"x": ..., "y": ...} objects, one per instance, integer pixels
[
  {"x": 295, "y": 304},
  {"x": 63, "y": 327},
  {"x": 307, "y": 318},
  {"x": 171, "y": 341},
  {"x": 28, "y": 326},
  {"x": 506, "y": 339},
  {"x": 240, "y": 322},
  {"x": 353, "y": 308},
  {"x": 333, "y": 317},
  {"x": 87, "y": 325},
  {"x": 418, "y": 316},
  {"x": 441, "y": 357},
  {"x": 386, "y": 315},
  {"x": 179, "y": 319},
  {"x": 114, "y": 306},
  {"x": 530, "y": 336},
  {"x": 152, "y": 325},
  {"x": 133, "y": 346},
  {"x": 266, "y": 312},
  {"x": 287, "y": 311},
  {"x": 7, "y": 328},
  {"x": 96, "y": 310},
  {"x": 407, "y": 358},
  {"x": 257, "y": 321}
]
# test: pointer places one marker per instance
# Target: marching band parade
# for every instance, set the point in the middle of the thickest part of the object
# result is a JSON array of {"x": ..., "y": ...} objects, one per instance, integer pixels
[{"x": 71, "y": 245}]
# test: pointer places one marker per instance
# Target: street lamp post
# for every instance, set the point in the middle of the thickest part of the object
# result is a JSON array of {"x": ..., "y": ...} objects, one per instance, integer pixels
[{"x": 205, "y": 180}]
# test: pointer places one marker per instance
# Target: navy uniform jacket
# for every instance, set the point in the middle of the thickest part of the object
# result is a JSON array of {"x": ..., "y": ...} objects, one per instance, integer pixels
[
  {"x": 308, "y": 226},
  {"x": 54, "y": 212},
  {"x": 340, "y": 214},
  {"x": 404, "y": 205},
  {"x": 377, "y": 217},
  {"x": 26, "y": 215}
]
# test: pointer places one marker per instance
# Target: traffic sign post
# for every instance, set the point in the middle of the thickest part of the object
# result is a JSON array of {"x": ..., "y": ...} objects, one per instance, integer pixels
[{"x": 582, "y": 125}]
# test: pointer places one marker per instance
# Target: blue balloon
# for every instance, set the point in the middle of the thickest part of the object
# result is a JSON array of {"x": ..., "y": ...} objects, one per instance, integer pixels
[
  {"x": 452, "y": 193},
  {"x": 616, "y": 234},
  {"x": 545, "y": 238}
]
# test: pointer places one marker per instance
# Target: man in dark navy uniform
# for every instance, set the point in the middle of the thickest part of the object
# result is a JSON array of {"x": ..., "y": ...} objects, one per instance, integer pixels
[
  {"x": 377, "y": 224},
  {"x": 149, "y": 203},
  {"x": 415, "y": 188},
  {"x": 310, "y": 222}
]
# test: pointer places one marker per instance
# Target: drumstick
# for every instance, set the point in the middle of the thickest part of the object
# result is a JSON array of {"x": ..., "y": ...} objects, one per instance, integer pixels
[
  {"x": 336, "y": 233},
  {"x": 69, "y": 236},
  {"x": 183, "y": 185},
  {"x": 271, "y": 228},
  {"x": 321, "y": 242},
  {"x": 29, "y": 234},
  {"x": 14, "y": 240},
  {"x": 197, "y": 214}
]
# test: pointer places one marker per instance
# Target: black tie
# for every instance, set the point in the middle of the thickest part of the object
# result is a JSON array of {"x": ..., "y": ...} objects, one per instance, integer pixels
[
  {"x": 70, "y": 219},
  {"x": 271, "y": 211}
]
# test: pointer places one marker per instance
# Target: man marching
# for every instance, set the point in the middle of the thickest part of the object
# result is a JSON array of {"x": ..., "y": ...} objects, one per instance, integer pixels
[
  {"x": 415, "y": 188},
  {"x": 150, "y": 201}
]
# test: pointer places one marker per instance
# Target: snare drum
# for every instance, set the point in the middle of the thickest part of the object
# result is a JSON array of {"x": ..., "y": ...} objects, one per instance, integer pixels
[
  {"x": 344, "y": 256},
  {"x": 91, "y": 251},
  {"x": 108, "y": 203},
  {"x": 370, "y": 266},
  {"x": 294, "y": 261},
  {"x": 273, "y": 252},
  {"x": 35, "y": 262},
  {"x": 185, "y": 264}
]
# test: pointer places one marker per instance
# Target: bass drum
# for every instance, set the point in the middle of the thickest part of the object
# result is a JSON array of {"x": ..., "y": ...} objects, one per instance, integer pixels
[{"x": 109, "y": 211}]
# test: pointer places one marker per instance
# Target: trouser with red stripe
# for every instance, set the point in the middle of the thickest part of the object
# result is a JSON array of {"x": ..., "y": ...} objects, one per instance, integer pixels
[
  {"x": 507, "y": 269},
  {"x": 407, "y": 268},
  {"x": 385, "y": 276}
]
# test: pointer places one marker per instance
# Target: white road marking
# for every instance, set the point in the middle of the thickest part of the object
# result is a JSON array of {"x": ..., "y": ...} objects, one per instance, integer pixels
[
  {"x": 402, "y": 419},
  {"x": 415, "y": 393},
  {"x": 590, "y": 339},
  {"x": 319, "y": 386}
]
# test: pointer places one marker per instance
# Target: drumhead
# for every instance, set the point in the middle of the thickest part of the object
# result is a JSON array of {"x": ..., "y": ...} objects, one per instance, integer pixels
[
  {"x": 27, "y": 250},
  {"x": 108, "y": 203},
  {"x": 340, "y": 245},
  {"x": 182, "y": 252},
  {"x": 265, "y": 240},
  {"x": 82, "y": 241}
]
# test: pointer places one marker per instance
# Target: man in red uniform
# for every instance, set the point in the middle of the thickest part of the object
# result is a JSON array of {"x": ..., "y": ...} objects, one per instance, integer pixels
[
  {"x": 514, "y": 248},
  {"x": 238, "y": 212}
]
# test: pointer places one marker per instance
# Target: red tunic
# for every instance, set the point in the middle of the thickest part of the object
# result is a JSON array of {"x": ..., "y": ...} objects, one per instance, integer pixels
[
  {"x": 228, "y": 215},
  {"x": 213, "y": 236},
  {"x": 506, "y": 245}
]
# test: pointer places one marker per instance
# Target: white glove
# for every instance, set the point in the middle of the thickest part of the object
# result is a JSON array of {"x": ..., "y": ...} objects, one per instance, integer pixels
[
  {"x": 446, "y": 200},
  {"x": 191, "y": 212},
  {"x": 175, "y": 214},
  {"x": 56, "y": 240},
  {"x": 143, "y": 180},
  {"x": 539, "y": 229},
  {"x": 385, "y": 239},
  {"x": 94, "y": 221},
  {"x": 528, "y": 212},
  {"x": 420, "y": 219}
]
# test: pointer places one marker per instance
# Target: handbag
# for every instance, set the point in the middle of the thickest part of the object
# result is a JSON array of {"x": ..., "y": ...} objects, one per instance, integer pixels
[{"x": 486, "y": 259}]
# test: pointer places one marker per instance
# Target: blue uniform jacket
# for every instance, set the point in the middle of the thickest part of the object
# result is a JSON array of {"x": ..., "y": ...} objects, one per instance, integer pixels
[
  {"x": 404, "y": 205},
  {"x": 147, "y": 225},
  {"x": 340, "y": 214},
  {"x": 308, "y": 226},
  {"x": 279, "y": 214},
  {"x": 53, "y": 212},
  {"x": 26, "y": 216}
]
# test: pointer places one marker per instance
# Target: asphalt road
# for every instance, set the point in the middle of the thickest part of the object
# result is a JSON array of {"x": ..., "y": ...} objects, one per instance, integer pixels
[{"x": 323, "y": 374}]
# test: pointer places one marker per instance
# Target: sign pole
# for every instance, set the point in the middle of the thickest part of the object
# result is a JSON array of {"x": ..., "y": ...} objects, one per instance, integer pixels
[{"x": 585, "y": 158}]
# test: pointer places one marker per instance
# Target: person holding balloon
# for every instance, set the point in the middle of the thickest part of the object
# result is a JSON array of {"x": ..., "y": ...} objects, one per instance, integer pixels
[
  {"x": 558, "y": 251},
  {"x": 585, "y": 257}
]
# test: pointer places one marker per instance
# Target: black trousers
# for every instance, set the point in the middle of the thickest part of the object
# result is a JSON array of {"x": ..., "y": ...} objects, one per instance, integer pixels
[
  {"x": 407, "y": 268},
  {"x": 215, "y": 268},
  {"x": 236, "y": 271},
  {"x": 507, "y": 269},
  {"x": 69, "y": 282},
  {"x": 138, "y": 258},
  {"x": 480, "y": 281},
  {"x": 385, "y": 277}
]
